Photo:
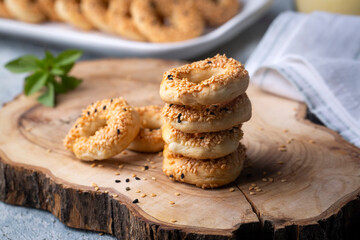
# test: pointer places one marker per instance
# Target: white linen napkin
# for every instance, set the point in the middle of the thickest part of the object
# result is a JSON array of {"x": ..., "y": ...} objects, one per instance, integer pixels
[{"x": 314, "y": 58}]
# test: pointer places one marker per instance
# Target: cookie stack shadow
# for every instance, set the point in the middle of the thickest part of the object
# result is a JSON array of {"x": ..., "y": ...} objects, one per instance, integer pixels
[{"x": 206, "y": 105}]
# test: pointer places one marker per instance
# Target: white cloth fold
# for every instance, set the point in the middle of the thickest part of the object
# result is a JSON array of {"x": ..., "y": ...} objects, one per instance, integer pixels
[{"x": 314, "y": 58}]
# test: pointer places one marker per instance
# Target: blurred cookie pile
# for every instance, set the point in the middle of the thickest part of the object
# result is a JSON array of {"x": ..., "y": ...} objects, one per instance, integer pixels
[
  {"x": 206, "y": 105},
  {"x": 138, "y": 20}
]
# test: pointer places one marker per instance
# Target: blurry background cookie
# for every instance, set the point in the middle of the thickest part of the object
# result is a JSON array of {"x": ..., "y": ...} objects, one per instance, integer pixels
[
  {"x": 48, "y": 7},
  {"x": 26, "y": 10},
  {"x": 70, "y": 11},
  {"x": 95, "y": 12}
]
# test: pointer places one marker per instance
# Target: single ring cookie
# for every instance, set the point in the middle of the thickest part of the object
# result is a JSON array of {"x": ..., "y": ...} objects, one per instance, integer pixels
[
  {"x": 121, "y": 22},
  {"x": 210, "y": 81},
  {"x": 105, "y": 129},
  {"x": 25, "y": 10},
  {"x": 48, "y": 7},
  {"x": 95, "y": 11},
  {"x": 211, "y": 118},
  {"x": 217, "y": 12},
  {"x": 149, "y": 138},
  {"x": 170, "y": 22},
  {"x": 4, "y": 13},
  {"x": 70, "y": 12},
  {"x": 202, "y": 145},
  {"x": 210, "y": 173}
]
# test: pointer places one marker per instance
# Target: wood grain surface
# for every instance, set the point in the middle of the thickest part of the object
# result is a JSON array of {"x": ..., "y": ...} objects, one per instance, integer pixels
[{"x": 303, "y": 178}]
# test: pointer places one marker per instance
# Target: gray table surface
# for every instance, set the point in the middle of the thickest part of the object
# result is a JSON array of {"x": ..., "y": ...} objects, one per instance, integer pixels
[{"x": 25, "y": 223}]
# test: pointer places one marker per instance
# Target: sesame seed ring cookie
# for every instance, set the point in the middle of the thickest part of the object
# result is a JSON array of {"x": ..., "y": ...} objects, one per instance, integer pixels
[
  {"x": 211, "y": 118},
  {"x": 171, "y": 21},
  {"x": 4, "y": 13},
  {"x": 210, "y": 173},
  {"x": 95, "y": 12},
  {"x": 213, "y": 80},
  {"x": 202, "y": 145},
  {"x": 149, "y": 138},
  {"x": 217, "y": 12},
  {"x": 25, "y": 10},
  {"x": 70, "y": 11},
  {"x": 105, "y": 129},
  {"x": 121, "y": 22},
  {"x": 48, "y": 7}
]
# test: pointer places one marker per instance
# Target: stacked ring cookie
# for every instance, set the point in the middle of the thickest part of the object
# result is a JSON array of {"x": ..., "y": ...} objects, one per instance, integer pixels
[{"x": 206, "y": 105}]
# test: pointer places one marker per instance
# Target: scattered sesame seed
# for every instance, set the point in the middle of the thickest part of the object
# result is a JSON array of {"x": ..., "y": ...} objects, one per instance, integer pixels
[
  {"x": 127, "y": 188},
  {"x": 264, "y": 179},
  {"x": 146, "y": 167},
  {"x": 252, "y": 193},
  {"x": 177, "y": 194},
  {"x": 153, "y": 178},
  {"x": 137, "y": 178},
  {"x": 153, "y": 167},
  {"x": 138, "y": 191},
  {"x": 285, "y": 130},
  {"x": 117, "y": 180},
  {"x": 153, "y": 195},
  {"x": 171, "y": 202},
  {"x": 251, "y": 188},
  {"x": 115, "y": 195},
  {"x": 117, "y": 173},
  {"x": 133, "y": 175},
  {"x": 152, "y": 162},
  {"x": 232, "y": 189},
  {"x": 136, "y": 201},
  {"x": 261, "y": 129},
  {"x": 100, "y": 234},
  {"x": 278, "y": 173},
  {"x": 93, "y": 165},
  {"x": 48, "y": 151},
  {"x": 94, "y": 184},
  {"x": 143, "y": 195},
  {"x": 96, "y": 188},
  {"x": 182, "y": 176},
  {"x": 121, "y": 166},
  {"x": 258, "y": 190},
  {"x": 173, "y": 220},
  {"x": 253, "y": 184},
  {"x": 124, "y": 153},
  {"x": 311, "y": 141},
  {"x": 283, "y": 180},
  {"x": 271, "y": 179},
  {"x": 106, "y": 191},
  {"x": 100, "y": 165},
  {"x": 127, "y": 180},
  {"x": 145, "y": 178}
]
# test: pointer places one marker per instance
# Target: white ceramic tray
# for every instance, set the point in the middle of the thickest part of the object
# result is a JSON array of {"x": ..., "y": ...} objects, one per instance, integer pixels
[{"x": 64, "y": 35}]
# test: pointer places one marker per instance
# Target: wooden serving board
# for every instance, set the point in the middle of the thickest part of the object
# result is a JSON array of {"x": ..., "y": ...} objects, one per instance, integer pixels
[{"x": 309, "y": 189}]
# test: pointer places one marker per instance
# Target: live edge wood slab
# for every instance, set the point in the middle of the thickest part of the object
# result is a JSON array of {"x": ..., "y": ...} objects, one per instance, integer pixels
[{"x": 308, "y": 175}]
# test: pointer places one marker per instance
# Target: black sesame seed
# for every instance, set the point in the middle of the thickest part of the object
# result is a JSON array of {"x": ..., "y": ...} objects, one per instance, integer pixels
[
  {"x": 248, "y": 175},
  {"x": 127, "y": 180},
  {"x": 118, "y": 131},
  {"x": 212, "y": 113},
  {"x": 146, "y": 167},
  {"x": 150, "y": 130},
  {"x": 207, "y": 109},
  {"x": 104, "y": 107},
  {"x": 75, "y": 126},
  {"x": 179, "y": 116},
  {"x": 137, "y": 178},
  {"x": 170, "y": 105},
  {"x": 95, "y": 110},
  {"x": 117, "y": 180},
  {"x": 111, "y": 100},
  {"x": 225, "y": 109},
  {"x": 170, "y": 77},
  {"x": 209, "y": 62},
  {"x": 182, "y": 176},
  {"x": 171, "y": 176},
  {"x": 127, "y": 188},
  {"x": 136, "y": 201},
  {"x": 125, "y": 109},
  {"x": 202, "y": 137},
  {"x": 88, "y": 113}
]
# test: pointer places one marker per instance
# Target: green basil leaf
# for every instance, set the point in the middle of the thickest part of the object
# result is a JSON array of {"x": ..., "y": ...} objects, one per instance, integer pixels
[
  {"x": 67, "y": 68},
  {"x": 48, "y": 97},
  {"x": 59, "y": 88},
  {"x": 57, "y": 71},
  {"x": 70, "y": 82},
  {"x": 26, "y": 63},
  {"x": 35, "y": 82},
  {"x": 68, "y": 57}
]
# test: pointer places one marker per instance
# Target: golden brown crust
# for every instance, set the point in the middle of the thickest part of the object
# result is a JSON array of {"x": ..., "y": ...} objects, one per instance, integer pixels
[
  {"x": 105, "y": 129},
  {"x": 4, "y": 12},
  {"x": 149, "y": 138},
  {"x": 25, "y": 10},
  {"x": 48, "y": 7},
  {"x": 95, "y": 12},
  {"x": 211, "y": 118},
  {"x": 211, "y": 81},
  {"x": 209, "y": 173},
  {"x": 70, "y": 11},
  {"x": 121, "y": 21},
  {"x": 183, "y": 21},
  {"x": 217, "y": 12}
]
